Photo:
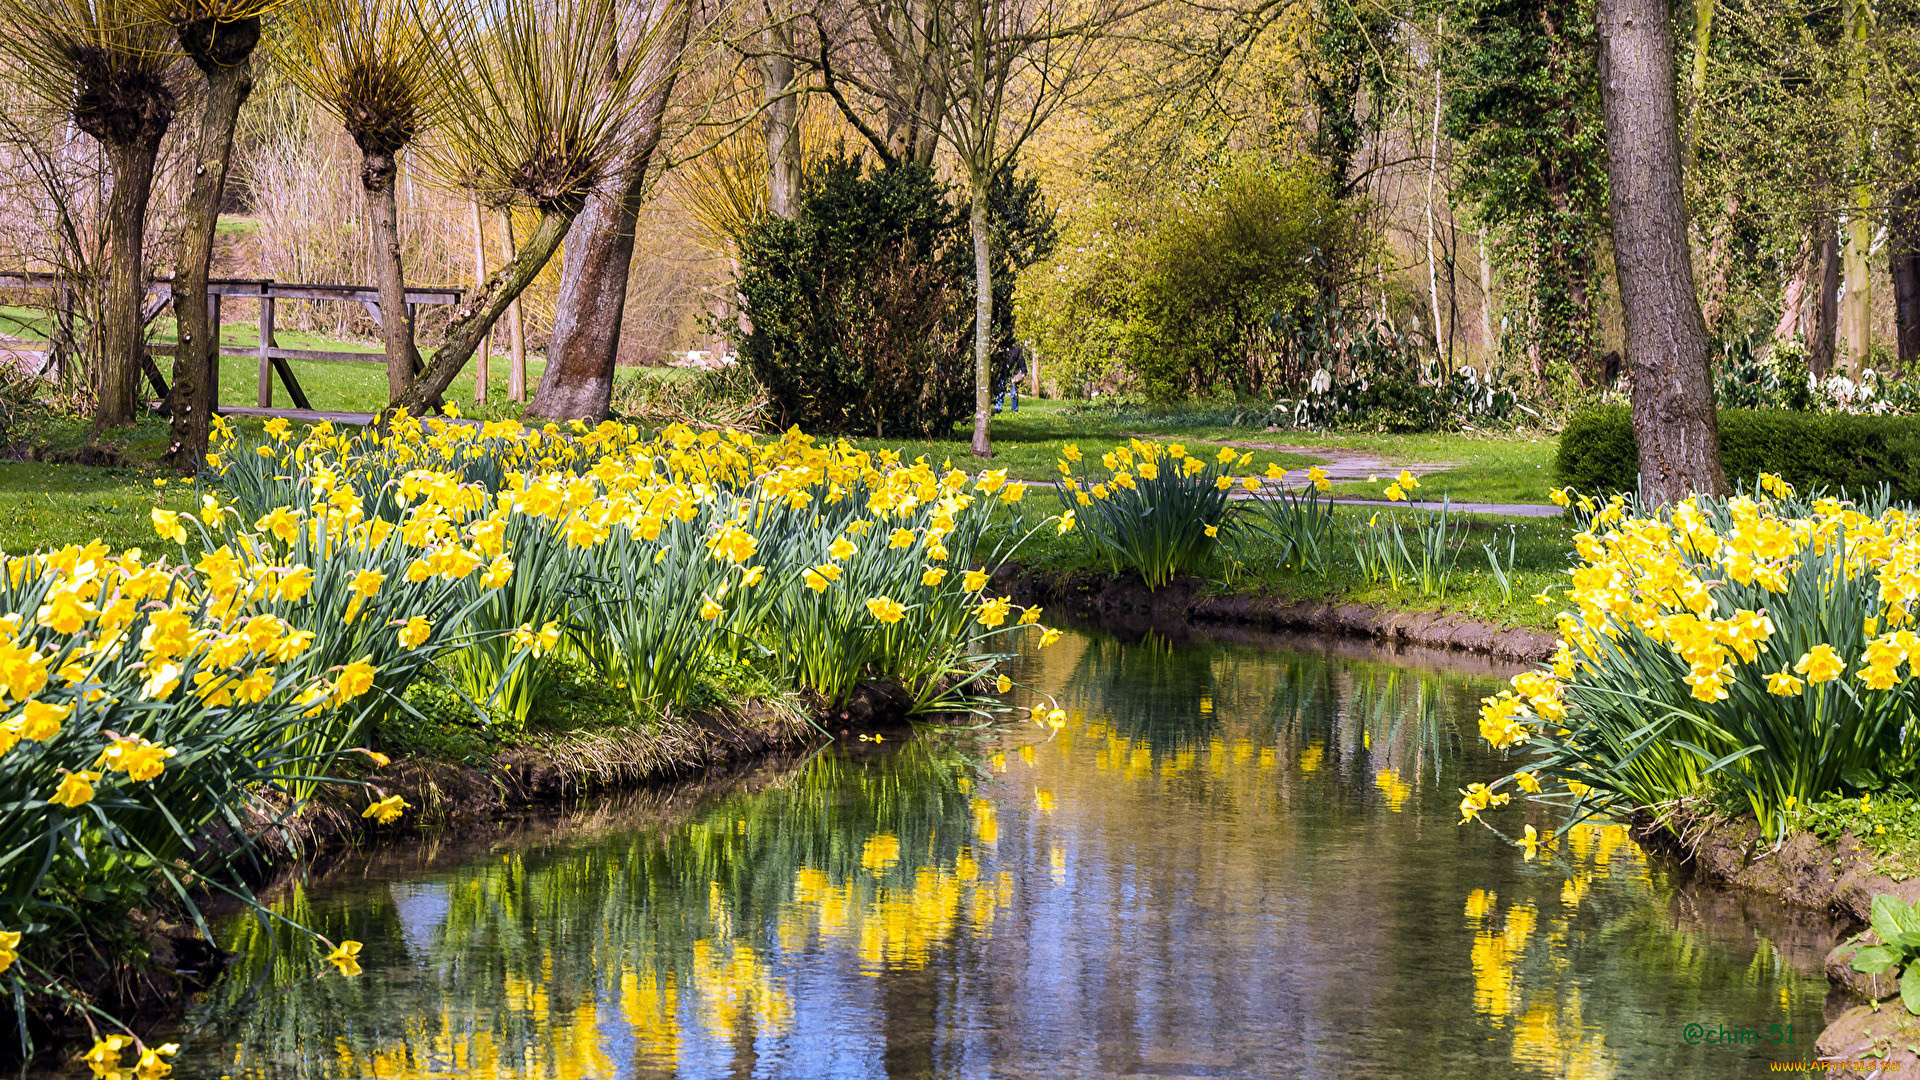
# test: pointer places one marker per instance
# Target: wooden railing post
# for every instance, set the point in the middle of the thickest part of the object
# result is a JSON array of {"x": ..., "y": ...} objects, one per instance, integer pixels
[
  {"x": 264, "y": 396},
  {"x": 213, "y": 353}
]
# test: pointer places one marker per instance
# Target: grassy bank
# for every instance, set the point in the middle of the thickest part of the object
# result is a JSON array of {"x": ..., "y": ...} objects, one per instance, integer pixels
[{"x": 1257, "y": 567}]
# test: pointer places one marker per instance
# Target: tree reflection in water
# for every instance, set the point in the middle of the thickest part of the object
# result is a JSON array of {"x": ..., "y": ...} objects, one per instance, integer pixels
[{"x": 1233, "y": 861}]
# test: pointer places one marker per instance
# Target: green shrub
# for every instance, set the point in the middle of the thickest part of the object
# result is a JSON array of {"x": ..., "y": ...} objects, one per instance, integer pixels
[
  {"x": 1222, "y": 271},
  {"x": 859, "y": 310},
  {"x": 859, "y": 307},
  {"x": 1827, "y": 451}
]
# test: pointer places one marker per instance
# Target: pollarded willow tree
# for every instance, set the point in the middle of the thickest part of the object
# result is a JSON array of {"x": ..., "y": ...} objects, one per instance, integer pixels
[
  {"x": 371, "y": 63},
  {"x": 545, "y": 103},
  {"x": 578, "y": 381},
  {"x": 115, "y": 74},
  {"x": 219, "y": 36}
]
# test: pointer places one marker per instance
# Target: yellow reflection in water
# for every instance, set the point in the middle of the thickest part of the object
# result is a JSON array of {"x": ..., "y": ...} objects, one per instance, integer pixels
[{"x": 1519, "y": 966}]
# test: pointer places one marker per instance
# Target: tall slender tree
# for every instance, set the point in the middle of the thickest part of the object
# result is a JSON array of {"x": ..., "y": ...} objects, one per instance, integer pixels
[
  {"x": 1666, "y": 337},
  {"x": 1013, "y": 64}
]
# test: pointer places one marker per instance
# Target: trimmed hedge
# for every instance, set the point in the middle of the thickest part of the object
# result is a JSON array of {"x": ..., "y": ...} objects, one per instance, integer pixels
[{"x": 1834, "y": 452}]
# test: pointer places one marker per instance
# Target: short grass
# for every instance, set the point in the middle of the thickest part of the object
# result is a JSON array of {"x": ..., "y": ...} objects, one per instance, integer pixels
[
  {"x": 47, "y": 506},
  {"x": 1028, "y": 443},
  {"x": 1490, "y": 468},
  {"x": 342, "y": 386}
]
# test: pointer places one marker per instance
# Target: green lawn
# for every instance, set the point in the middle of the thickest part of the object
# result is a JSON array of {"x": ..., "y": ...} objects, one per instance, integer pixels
[
  {"x": 344, "y": 386},
  {"x": 1028, "y": 443},
  {"x": 1492, "y": 468},
  {"x": 47, "y": 506}
]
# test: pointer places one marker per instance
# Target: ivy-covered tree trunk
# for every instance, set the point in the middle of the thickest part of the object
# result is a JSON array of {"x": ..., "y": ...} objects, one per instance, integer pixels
[
  {"x": 1666, "y": 338},
  {"x": 1903, "y": 258}
]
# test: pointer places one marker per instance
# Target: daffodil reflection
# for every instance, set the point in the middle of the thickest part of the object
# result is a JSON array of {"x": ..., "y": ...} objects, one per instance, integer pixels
[
  {"x": 642, "y": 947},
  {"x": 1124, "y": 895}
]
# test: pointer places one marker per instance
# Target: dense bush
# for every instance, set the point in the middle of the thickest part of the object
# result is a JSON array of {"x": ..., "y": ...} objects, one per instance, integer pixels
[
  {"x": 858, "y": 306},
  {"x": 1831, "y": 451},
  {"x": 859, "y": 309},
  {"x": 1195, "y": 291}
]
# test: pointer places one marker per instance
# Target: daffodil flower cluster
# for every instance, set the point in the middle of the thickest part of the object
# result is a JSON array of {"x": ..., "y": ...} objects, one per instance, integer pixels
[
  {"x": 1760, "y": 648},
  {"x": 143, "y": 703},
  {"x": 659, "y": 555},
  {"x": 1155, "y": 509}
]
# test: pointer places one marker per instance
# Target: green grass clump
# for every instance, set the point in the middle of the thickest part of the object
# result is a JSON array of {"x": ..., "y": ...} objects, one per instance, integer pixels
[{"x": 1887, "y": 828}]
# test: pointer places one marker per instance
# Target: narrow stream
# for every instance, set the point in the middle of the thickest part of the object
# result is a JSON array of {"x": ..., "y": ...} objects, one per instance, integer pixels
[{"x": 1235, "y": 860}]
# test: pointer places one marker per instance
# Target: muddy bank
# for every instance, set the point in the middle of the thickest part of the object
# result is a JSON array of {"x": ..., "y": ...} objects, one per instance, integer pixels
[
  {"x": 1122, "y": 602},
  {"x": 1835, "y": 880},
  {"x": 1803, "y": 871}
]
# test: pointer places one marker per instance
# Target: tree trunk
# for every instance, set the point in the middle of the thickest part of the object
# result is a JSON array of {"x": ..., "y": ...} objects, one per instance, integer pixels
[
  {"x": 480, "y": 370},
  {"x": 982, "y": 322},
  {"x": 578, "y": 382},
  {"x": 1489, "y": 339},
  {"x": 1666, "y": 338},
  {"x": 1823, "y": 306},
  {"x": 1433, "y": 173},
  {"x": 516, "y": 323},
  {"x": 781, "y": 122},
  {"x": 585, "y": 345},
  {"x": 1718, "y": 262},
  {"x": 477, "y": 316},
  {"x": 377, "y": 172},
  {"x": 121, "y": 342},
  {"x": 1856, "y": 316},
  {"x": 1903, "y": 255},
  {"x": 224, "y": 54}
]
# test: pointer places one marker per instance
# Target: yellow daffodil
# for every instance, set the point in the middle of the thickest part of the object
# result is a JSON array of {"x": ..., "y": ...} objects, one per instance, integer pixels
[
  {"x": 386, "y": 811},
  {"x": 76, "y": 789},
  {"x": 346, "y": 958}
]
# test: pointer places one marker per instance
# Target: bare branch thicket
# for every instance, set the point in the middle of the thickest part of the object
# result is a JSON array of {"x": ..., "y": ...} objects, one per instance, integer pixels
[{"x": 112, "y": 72}]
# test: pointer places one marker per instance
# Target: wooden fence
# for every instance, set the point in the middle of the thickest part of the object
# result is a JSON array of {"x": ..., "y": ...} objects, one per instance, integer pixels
[{"x": 268, "y": 353}]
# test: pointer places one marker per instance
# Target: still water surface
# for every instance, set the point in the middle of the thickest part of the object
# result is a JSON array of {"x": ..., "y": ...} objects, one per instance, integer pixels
[{"x": 1234, "y": 861}]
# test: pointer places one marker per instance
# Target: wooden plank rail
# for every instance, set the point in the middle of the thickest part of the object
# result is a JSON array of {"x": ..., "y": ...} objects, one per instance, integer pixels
[
  {"x": 253, "y": 288},
  {"x": 272, "y": 359}
]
